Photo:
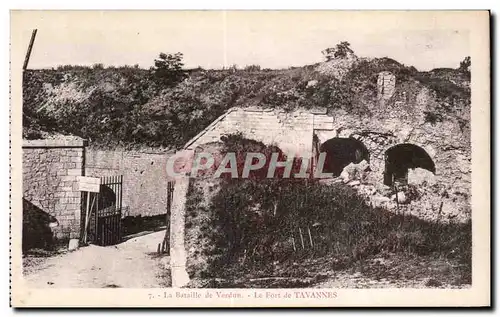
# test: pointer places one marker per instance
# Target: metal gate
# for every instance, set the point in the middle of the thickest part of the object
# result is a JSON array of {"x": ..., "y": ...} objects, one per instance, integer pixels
[
  {"x": 105, "y": 213},
  {"x": 164, "y": 246}
]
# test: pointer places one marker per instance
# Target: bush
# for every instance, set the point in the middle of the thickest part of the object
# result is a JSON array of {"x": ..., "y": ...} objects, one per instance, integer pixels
[
  {"x": 432, "y": 118},
  {"x": 167, "y": 70},
  {"x": 166, "y": 106},
  {"x": 252, "y": 68},
  {"x": 341, "y": 50},
  {"x": 444, "y": 89},
  {"x": 256, "y": 222},
  {"x": 465, "y": 65}
]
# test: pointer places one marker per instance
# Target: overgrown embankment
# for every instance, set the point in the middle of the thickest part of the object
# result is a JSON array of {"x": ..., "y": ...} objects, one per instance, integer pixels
[
  {"x": 291, "y": 231},
  {"x": 129, "y": 107}
]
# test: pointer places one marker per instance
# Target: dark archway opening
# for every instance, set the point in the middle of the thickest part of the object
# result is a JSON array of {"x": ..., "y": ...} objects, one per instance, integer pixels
[
  {"x": 340, "y": 152},
  {"x": 400, "y": 158},
  {"x": 107, "y": 197}
]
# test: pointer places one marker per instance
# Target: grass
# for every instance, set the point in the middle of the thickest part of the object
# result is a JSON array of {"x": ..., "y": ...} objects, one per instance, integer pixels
[
  {"x": 123, "y": 106},
  {"x": 390, "y": 270},
  {"x": 272, "y": 231}
]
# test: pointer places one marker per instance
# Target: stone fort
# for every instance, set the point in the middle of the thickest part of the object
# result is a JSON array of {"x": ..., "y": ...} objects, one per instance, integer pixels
[{"x": 395, "y": 159}]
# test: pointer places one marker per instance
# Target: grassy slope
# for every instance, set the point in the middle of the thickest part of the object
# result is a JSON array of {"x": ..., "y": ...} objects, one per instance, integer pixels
[
  {"x": 352, "y": 239},
  {"x": 261, "y": 232},
  {"x": 124, "y": 107}
]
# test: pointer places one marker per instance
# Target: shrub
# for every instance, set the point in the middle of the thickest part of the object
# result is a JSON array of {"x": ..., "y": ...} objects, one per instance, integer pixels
[
  {"x": 432, "y": 118},
  {"x": 167, "y": 70},
  {"x": 37, "y": 232},
  {"x": 252, "y": 68},
  {"x": 259, "y": 221},
  {"x": 341, "y": 50},
  {"x": 444, "y": 89},
  {"x": 465, "y": 65},
  {"x": 166, "y": 106}
]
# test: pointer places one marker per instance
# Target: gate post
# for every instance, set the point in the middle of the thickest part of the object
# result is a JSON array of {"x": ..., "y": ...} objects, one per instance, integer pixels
[{"x": 178, "y": 255}]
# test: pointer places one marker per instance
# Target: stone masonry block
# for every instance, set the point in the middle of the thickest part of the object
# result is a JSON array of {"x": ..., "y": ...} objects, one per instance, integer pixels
[
  {"x": 61, "y": 172},
  {"x": 72, "y": 194},
  {"x": 76, "y": 172},
  {"x": 69, "y": 178},
  {"x": 70, "y": 207},
  {"x": 69, "y": 183},
  {"x": 70, "y": 165},
  {"x": 68, "y": 200},
  {"x": 57, "y": 165},
  {"x": 77, "y": 159}
]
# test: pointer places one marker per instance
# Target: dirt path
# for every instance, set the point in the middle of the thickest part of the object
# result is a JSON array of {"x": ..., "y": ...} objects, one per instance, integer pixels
[{"x": 131, "y": 264}]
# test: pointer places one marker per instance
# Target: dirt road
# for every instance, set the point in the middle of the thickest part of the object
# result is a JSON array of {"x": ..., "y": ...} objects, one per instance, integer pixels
[{"x": 131, "y": 264}]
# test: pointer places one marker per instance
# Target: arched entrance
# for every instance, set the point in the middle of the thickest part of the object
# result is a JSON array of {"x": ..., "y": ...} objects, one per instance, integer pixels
[
  {"x": 340, "y": 152},
  {"x": 400, "y": 158}
]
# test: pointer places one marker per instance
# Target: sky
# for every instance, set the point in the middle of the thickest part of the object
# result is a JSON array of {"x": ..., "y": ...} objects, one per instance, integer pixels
[{"x": 216, "y": 39}]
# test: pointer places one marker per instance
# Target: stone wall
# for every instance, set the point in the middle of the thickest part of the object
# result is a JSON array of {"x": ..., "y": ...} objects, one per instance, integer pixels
[
  {"x": 447, "y": 197},
  {"x": 386, "y": 85},
  {"x": 289, "y": 131},
  {"x": 144, "y": 178},
  {"x": 50, "y": 171},
  {"x": 443, "y": 196},
  {"x": 446, "y": 144}
]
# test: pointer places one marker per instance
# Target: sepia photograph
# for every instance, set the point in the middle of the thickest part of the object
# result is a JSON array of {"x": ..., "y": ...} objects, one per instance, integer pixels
[{"x": 250, "y": 158}]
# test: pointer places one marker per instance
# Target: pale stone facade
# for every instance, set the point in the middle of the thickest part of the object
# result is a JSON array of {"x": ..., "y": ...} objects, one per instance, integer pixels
[
  {"x": 144, "y": 190},
  {"x": 445, "y": 195},
  {"x": 50, "y": 172},
  {"x": 386, "y": 85}
]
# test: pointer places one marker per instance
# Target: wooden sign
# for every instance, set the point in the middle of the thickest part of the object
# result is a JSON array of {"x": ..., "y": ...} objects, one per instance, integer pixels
[{"x": 89, "y": 184}]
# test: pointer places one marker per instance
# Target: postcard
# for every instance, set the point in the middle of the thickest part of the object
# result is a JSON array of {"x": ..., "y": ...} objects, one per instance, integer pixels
[{"x": 250, "y": 158}]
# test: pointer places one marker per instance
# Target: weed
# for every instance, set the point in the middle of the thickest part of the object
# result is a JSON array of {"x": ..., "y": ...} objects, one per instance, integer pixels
[{"x": 252, "y": 222}]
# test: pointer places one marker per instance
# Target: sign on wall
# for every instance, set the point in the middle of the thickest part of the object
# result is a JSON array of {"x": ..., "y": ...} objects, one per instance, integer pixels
[{"x": 89, "y": 184}]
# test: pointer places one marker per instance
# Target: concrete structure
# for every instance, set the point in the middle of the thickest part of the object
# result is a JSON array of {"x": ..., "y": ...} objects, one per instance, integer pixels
[
  {"x": 51, "y": 168},
  {"x": 386, "y": 85},
  {"x": 50, "y": 171},
  {"x": 144, "y": 177},
  {"x": 440, "y": 149}
]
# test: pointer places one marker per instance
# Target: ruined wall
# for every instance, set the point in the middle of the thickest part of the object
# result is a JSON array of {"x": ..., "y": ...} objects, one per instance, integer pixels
[
  {"x": 399, "y": 114},
  {"x": 144, "y": 177},
  {"x": 386, "y": 85},
  {"x": 442, "y": 197},
  {"x": 50, "y": 171},
  {"x": 289, "y": 131},
  {"x": 445, "y": 196}
]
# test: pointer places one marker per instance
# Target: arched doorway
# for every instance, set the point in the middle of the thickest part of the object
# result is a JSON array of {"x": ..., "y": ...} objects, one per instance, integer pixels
[
  {"x": 340, "y": 152},
  {"x": 107, "y": 197},
  {"x": 400, "y": 158}
]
